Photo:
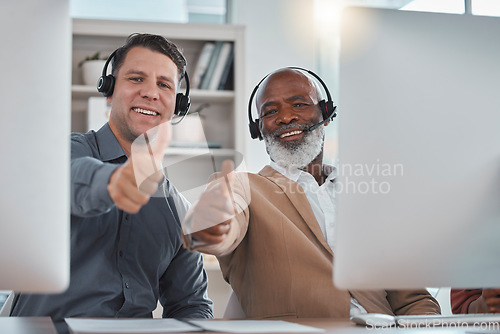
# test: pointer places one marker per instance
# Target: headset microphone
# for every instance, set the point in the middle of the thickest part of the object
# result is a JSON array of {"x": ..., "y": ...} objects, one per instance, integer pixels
[{"x": 329, "y": 118}]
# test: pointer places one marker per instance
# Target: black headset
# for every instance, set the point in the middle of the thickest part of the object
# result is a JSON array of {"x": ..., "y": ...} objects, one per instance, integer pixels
[
  {"x": 106, "y": 85},
  {"x": 327, "y": 107}
]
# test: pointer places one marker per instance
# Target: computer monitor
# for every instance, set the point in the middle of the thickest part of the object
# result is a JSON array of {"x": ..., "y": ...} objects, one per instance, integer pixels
[
  {"x": 419, "y": 151},
  {"x": 34, "y": 145}
]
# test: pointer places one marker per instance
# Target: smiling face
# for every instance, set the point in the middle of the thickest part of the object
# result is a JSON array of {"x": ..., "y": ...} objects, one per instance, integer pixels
[
  {"x": 144, "y": 94},
  {"x": 288, "y": 105}
]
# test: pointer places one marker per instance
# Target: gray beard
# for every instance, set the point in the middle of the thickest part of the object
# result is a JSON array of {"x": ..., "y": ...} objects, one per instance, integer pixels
[{"x": 293, "y": 155}]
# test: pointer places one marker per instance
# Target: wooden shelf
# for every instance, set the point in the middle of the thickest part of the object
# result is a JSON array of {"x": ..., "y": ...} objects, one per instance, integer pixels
[
  {"x": 219, "y": 152},
  {"x": 83, "y": 92}
]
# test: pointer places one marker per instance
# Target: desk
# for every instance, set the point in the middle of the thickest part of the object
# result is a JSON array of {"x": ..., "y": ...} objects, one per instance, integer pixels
[
  {"x": 26, "y": 325},
  {"x": 40, "y": 325}
]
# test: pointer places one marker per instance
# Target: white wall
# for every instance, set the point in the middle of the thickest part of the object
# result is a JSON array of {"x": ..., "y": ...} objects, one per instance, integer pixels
[{"x": 278, "y": 33}]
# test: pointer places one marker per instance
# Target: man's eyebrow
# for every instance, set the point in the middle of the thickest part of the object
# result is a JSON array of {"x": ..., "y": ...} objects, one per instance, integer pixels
[
  {"x": 138, "y": 72},
  {"x": 267, "y": 104},
  {"x": 164, "y": 78},
  {"x": 135, "y": 72},
  {"x": 296, "y": 97}
]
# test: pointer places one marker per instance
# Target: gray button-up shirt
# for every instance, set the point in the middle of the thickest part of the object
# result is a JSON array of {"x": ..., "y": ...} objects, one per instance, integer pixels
[{"x": 121, "y": 263}]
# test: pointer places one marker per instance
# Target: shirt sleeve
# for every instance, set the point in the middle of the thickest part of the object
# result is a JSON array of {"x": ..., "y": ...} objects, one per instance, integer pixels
[
  {"x": 89, "y": 181},
  {"x": 239, "y": 224},
  {"x": 183, "y": 287},
  {"x": 412, "y": 302},
  {"x": 461, "y": 299}
]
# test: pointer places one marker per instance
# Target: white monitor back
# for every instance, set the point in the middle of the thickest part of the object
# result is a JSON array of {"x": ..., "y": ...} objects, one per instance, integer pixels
[
  {"x": 34, "y": 145},
  {"x": 419, "y": 150}
]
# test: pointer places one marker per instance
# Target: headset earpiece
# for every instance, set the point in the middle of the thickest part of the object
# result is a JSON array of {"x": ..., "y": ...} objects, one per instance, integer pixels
[
  {"x": 327, "y": 109},
  {"x": 254, "y": 124},
  {"x": 106, "y": 83},
  {"x": 182, "y": 101},
  {"x": 324, "y": 111},
  {"x": 254, "y": 129},
  {"x": 182, "y": 104},
  {"x": 330, "y": 109}
]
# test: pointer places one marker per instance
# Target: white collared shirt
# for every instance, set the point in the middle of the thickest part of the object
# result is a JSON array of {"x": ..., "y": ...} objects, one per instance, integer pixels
[
  {"x": 321, "y": 198},
  {"x": 322, "y": 201}
]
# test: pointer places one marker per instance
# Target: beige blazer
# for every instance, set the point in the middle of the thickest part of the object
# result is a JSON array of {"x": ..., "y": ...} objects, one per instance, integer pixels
[{"x": 279, "y": 264}]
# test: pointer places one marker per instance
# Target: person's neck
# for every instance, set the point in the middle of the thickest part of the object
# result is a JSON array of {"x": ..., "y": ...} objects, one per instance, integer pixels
[
  {"x": 125, "y": 144},
  {"x": 315, "y": 168}
]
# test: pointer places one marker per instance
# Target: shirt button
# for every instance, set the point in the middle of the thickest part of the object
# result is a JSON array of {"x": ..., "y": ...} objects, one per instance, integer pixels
[
  {"x": 127, "y": 286},
  {"x": 126, "y": 217},
  {"x": 120, "y": 253}
]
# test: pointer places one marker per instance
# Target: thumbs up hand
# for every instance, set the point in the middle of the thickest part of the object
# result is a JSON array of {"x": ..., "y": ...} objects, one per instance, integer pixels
[
  {"x": 212, "y": 214},
  {"x": 132, "y": 184},
  {"x": 147, "y": 152}
]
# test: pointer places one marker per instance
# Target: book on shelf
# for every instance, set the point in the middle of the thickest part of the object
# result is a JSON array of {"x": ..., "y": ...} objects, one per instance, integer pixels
[
  {"x": 226, "y": 81},
  {"x": 214, "y": 67},
  {"x": 202, "y": 64},
  {"x": 207, "y": 76},
  {"x": 223, "y": 62},
  {"x": 188, "y": 144}
]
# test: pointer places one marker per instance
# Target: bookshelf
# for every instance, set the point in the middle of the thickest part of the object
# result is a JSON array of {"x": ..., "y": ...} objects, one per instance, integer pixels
[{"x": 221, "y": 123}]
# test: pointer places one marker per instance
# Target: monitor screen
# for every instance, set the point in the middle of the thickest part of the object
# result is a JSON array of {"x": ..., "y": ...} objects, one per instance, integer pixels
[
  {"x": 34, "y": 145},
  {"x": 419, "y": 148}
]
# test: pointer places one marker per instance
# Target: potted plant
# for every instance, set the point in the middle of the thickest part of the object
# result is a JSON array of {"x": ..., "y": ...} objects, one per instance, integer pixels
[{"x": 92, "y": 68}]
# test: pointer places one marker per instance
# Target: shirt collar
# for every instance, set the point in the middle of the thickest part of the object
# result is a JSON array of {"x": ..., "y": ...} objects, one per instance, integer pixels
[
  {"x": 110, "y": 148},
  {"x": 291, "y": 173},
  {"x": 294, "y": 173}
]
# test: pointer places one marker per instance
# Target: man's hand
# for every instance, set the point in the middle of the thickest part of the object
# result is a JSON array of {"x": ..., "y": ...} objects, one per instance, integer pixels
[
  {"x": 492, "y": 300},
  {"x": 212, "y": 214},
  {"x": 132, "y": 184}
]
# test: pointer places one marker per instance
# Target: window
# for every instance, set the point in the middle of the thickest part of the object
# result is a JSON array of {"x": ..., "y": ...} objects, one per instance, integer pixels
[
  {"x": 179, "y": 11},
  {"x": 486, "y": 7},
  {"x": 442, "y": 6},
  {"x": 475, "y": 7}
]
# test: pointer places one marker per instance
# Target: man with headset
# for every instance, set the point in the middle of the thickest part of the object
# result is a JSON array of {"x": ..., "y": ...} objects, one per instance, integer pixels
[
  {"x": 273, "y": 231},
  {"x": 126, "y": 251}
]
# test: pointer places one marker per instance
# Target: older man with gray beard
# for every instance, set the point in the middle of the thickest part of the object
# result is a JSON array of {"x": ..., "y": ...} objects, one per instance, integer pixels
[{"x": 273, "y": 232}]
